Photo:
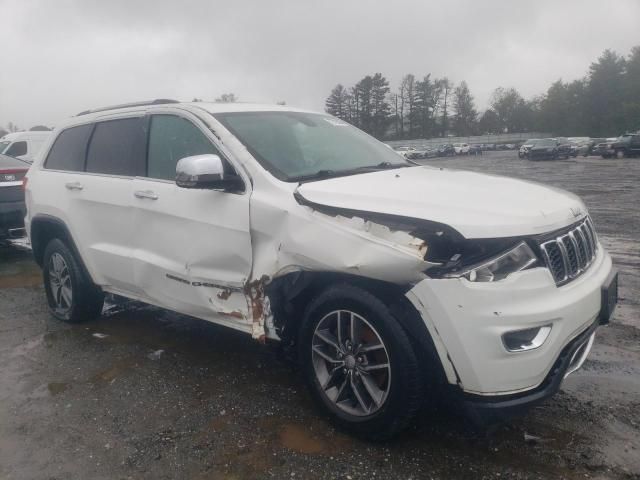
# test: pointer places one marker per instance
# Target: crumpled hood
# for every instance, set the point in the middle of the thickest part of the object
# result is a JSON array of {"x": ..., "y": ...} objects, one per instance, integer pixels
[{"x": 476, "y": 205}]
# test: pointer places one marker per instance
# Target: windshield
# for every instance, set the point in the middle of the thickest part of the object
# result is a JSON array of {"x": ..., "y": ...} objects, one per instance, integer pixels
[
  {"x": 295, "y": 146},
  {"x": 4, "y": 145}
]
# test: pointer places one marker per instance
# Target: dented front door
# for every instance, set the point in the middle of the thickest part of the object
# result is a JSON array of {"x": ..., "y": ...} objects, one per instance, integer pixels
[{"x": 193, "y": 247}]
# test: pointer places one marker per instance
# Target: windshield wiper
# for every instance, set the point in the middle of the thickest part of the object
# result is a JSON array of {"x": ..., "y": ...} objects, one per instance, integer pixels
[
  {"x": 382, "y": 166},
  {"x": 321, "y": 174}
]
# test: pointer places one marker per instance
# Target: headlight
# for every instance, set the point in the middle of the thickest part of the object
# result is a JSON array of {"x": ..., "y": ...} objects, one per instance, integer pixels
[{"x": 500, "y": 267}]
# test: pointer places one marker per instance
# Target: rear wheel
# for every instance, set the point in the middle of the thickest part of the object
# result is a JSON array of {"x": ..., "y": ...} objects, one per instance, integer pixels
[
  {"x": 70, "y": 295},
  {"x": 359, "y": 364},
  {"x": 620, "y": 154}
]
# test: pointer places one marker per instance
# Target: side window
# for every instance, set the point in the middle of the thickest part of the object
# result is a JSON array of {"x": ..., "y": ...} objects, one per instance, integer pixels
[
  {"x": 170, "y": 139},
  {"x": 117, "y": 147},
  {"x": 16, "y": 149},
  {"x": 69, "y": 149}
]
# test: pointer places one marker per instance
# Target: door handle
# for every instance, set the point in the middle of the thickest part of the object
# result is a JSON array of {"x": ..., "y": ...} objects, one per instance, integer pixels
[
  {"x": 146, "y": 194},
  {"x": 74, "y": 186}
]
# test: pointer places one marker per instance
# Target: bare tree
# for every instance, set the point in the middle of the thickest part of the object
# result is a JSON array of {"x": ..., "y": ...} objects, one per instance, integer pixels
[
  {"x": 444, "y": 86},
  {"x": 408, "y": 101},
  {"x": 226, "y": 98}
]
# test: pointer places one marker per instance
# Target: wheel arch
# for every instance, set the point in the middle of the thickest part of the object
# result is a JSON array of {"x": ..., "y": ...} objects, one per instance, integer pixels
[
  {"x": 290, "y": 293},
  {"x": 43, "y": 229}
]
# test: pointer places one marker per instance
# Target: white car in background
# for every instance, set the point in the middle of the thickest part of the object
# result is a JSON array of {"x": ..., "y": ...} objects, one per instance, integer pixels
[
  {"x": 461, "y": 148},
  {"x": 408, "y": 152},
  {"x": 23, "y": 145},
  {"x": 393, "y": 282}
]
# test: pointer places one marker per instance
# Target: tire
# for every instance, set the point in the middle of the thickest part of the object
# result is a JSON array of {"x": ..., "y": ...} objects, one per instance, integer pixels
[
  {"x": 620, "y": 154},
  {"x": 71, "y": 296},
  {"x": 375, "y": 404}
]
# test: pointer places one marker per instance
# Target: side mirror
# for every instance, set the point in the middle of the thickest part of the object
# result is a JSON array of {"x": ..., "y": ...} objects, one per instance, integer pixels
[{"x": 205, "y": 172}]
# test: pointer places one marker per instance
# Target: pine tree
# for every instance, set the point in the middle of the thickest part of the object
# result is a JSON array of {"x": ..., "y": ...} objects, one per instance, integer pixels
[
  {"x": 631, "y": 103},
  {"x": 336, "y": 103},
  {"x": 425, "y": 106},
  {"x": 380, "y": 108},
  {"x": 605, "y": 89}
]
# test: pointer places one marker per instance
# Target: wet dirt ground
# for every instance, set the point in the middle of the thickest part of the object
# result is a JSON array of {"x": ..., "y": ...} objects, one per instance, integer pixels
[{"x": 143, "y": 393}]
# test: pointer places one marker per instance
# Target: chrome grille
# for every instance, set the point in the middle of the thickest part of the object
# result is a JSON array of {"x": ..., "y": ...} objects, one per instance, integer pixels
[{"x": 570, "y": 254}]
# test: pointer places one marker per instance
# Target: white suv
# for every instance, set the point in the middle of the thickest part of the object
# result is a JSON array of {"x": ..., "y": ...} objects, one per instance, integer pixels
[
  {"x": 393, "y": 281},
  {"x": 23, "y": 145}
]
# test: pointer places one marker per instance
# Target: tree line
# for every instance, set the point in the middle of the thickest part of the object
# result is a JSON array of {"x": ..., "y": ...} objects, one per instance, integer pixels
[
  {"x": 605, "y": 102},
  {"x": 12, "y": 127}
]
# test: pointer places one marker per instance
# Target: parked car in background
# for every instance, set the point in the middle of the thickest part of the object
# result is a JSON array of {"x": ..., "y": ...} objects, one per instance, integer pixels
[
  {"x": 605, "y": 148},
  {"x": 23, "y": 145},
  {"x": 523, "y": 152},
  {"x": 627, "y": 145},
  {"x": 475, "y": 149},
  {"x": 393, "y": 282},
  {"x": 415, "y": 153},
  {"x": 461, "y": 148},
  {"x": 547, "y": 149},
  {"x": 580, "y": 146},
  {"x": 564, "y": 147},
  {"x": 446, "y": 150},
  {"x": 430, "y": 152},
  {"x": 12, "y": 207},
  {"x": 406, "y": 152},
  {"x": 594, "y": 141}
]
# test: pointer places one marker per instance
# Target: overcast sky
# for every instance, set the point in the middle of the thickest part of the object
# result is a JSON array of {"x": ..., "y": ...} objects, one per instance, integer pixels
[{"x": 61, "y": 57}]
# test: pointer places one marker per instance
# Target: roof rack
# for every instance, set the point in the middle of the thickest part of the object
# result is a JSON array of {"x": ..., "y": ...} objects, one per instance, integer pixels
[{"x": 157, "y": 101}]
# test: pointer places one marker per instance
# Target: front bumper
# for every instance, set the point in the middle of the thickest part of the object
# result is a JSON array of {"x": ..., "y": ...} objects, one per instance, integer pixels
[
  {"x": 483, "y": 409},
  {"x": 466, "y": 321}
]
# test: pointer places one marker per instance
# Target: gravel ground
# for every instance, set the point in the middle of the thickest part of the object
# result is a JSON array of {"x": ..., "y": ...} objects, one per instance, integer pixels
[{"x": 143, "y": 393}]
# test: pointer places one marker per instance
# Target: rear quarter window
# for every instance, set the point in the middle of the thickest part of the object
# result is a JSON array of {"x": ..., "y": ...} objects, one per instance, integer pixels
[
  {"x": 68, "y": 151},
  {"x": 17, "y": 149}
]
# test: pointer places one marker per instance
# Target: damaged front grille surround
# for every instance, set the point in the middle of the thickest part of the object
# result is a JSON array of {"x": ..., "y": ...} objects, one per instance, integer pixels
[{"x": 570, "y": 254}]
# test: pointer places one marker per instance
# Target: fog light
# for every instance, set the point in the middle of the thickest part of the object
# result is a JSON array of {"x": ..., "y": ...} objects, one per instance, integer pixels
[{"x": 527, "y": 339}]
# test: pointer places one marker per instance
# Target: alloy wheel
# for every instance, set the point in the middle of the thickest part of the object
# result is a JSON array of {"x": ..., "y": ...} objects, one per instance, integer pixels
[
  {"x": 351, "y": 363},
  {"x": 60, "y": 283}
]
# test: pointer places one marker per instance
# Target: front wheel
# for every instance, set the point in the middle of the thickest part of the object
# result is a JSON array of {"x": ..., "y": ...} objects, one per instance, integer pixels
[
  {"x": 359, "y": 364},
  {"x": 620, "y": 154},
  {"x": 70, "y": 295}
]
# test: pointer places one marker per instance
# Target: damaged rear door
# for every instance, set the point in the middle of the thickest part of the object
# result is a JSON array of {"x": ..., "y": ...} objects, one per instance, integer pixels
[{"x": 193, "y": 247}]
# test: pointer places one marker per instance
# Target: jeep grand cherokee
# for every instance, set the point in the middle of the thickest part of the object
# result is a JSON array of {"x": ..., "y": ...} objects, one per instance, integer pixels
[{"x": 393, "y": 281}]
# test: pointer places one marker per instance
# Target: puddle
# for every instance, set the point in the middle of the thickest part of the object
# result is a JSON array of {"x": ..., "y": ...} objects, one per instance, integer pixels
[
  {"x": 56, "y": 388},
  {"x": 299, "y": 439},
  {"x": 17, "y": 269},
  {"x": 118, "y": 369}
]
